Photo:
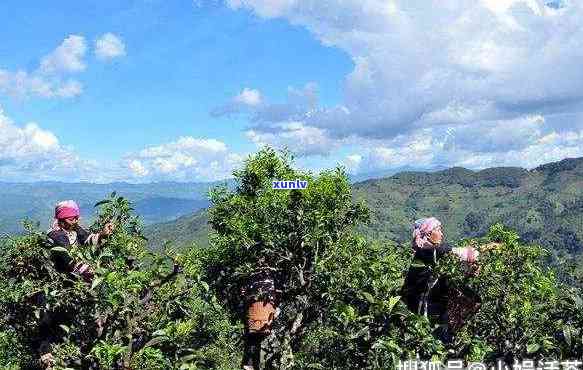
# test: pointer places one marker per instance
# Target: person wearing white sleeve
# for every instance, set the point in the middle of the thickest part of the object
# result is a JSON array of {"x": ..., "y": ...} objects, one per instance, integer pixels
[{"x": 423, "y": 292}]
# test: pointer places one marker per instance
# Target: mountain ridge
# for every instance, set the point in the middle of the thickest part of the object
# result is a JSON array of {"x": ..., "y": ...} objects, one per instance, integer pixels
[{"x": 544, "y": 204}]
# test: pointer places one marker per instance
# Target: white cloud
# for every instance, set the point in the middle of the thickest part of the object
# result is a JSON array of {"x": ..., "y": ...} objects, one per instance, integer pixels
[
  {"x": 352, "y": 162},
  {"x": 49, "y": 80},
  {"x": 186, "y": 159},
  {"x": 526, "y": 142},
  {"x": 282, "y": 125},
  {"x": 138, "y": 168},
  {"x": 497, "y": 136},
  {"x": 22, "y": 85},
  {"x": 18, "y": 143},
  {"x": 32, "y": 153},
  {"x": 69, "y": 89},
  {"x": 480, "y": 70},
  {"x": 67, "y": 57},
  {"x": 418, "y": 151},
  {"x": 264, "y": 8},
  {"x": 249, "y": 97},
  {"x": 247, "y": 100},
  {"x": 251, "y": 101},
  {"x": 295, "y": 136},
  {"x": 186, "y": 144},
  {"x": 109, "y": 46},
  {"x": 298, "y": 104}
]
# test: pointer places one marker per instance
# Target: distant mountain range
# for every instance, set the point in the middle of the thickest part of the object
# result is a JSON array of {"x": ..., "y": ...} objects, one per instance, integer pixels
[
  {"x": 545, "y": 205},
  {"x": 155, "y": 202}
]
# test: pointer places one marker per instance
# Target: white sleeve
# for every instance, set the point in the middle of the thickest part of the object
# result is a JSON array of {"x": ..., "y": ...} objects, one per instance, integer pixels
[{"x": 467, "y": 254}]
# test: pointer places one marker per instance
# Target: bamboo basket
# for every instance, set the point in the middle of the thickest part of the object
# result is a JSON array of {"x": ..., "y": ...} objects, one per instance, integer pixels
[{"x": 260, "y": 316}]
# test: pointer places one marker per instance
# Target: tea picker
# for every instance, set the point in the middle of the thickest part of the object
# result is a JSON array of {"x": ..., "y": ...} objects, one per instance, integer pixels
[
  {"x": 64, "y": 236},
  {"x": 430, "y": 295},
  {"x": 260, "y": 299}
]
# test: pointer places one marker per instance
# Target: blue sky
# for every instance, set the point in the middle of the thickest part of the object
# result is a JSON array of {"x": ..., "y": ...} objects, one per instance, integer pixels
[{"x": 154, "y": 90}]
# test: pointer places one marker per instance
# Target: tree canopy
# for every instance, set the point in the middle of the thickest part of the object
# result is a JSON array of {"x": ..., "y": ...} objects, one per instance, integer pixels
[{"x": 339, "y": 303}]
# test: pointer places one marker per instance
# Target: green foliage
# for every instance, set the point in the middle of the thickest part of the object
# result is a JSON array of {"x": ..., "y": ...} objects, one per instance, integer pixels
[
  {"x": 341, "y": 306},
  {"x": 291, "y": 232},
  {"x": 364, "y": 324},
  {"x": 543, "y": 205},
  {"x": 339, "y": 301},
  {"x": 183, "y": 232},
  {"x": 121, "y": 318},
  {"x": 525, "y": 310},
  {"x": 155, "y": 202}
]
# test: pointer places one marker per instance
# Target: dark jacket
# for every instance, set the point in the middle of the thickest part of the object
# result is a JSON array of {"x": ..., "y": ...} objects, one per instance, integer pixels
[
  {"x": 420, "y": 280},
  {"x": 59, "y": 238}
]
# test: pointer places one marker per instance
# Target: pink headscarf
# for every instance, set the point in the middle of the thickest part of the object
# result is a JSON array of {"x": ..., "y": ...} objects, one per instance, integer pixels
[
  {"x": 65, "y": 209},
  {"x": 421, "y": 231}
]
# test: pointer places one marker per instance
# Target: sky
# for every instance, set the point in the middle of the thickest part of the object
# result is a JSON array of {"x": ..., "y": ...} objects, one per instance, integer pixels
[{"x": 152, "y": 90}]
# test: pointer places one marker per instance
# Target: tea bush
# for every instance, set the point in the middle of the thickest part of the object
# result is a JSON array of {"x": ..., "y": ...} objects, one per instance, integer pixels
[
  {"x": 142, "y": 310},
  {"x": 339, "y": 303}
]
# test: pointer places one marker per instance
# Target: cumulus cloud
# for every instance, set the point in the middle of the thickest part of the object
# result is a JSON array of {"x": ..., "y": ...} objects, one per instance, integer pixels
[
  {"x": 249, "y": 97},
  {"x": 352, "y": 162},
  {"x": 416, "y": 151},
  {"x": 109, "y": 46},
  {"x": 30, "y": 152},
  {"x": 244, "y": 102},
  {"x": 482, "y": 78},
  {"x": 464, "y": 70},
  {"x": 295, "y": 136},
  {"x": 526, "y": 142},
  {"x": 497, "y": 136},
  {"x": 282, "y": 125},
  {"x": 67, "y": 57},
  {"x": 299, "y": 104},
  {"x": 69, "y": 89},
  {"x": 49, "y": 80},
  {"x": 22, "y": 84},
  {"x": 186, "y": 159},
  {"x": 138, "y": 168}
]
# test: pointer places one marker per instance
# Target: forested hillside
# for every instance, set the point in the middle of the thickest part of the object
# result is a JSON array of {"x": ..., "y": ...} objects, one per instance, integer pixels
[{"x": 544, "y": 205}]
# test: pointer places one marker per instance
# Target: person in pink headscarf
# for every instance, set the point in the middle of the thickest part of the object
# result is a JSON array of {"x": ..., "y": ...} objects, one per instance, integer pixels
[
  {"x": 66, "y": 232},
  {"x": 423, "y": 292}
]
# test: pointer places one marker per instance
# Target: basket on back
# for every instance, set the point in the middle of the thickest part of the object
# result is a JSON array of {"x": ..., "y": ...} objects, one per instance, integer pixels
[
  {"x": 260, "y": 296},
  {"x": 464, "y": 303}
]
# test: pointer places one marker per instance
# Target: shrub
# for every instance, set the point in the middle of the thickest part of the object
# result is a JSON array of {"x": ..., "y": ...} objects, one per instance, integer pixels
[
  {"x": 127, "y": 317},
  {"x": 526, "y": 311}
]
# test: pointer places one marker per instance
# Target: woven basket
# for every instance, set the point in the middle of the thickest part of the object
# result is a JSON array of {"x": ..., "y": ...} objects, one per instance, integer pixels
[{"x": 260, "y": 316}]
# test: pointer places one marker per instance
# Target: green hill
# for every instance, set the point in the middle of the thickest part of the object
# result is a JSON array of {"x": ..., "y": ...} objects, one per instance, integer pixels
[
  {"x": 545, "y": 205},
  {"x": 181, "y": 232}
]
